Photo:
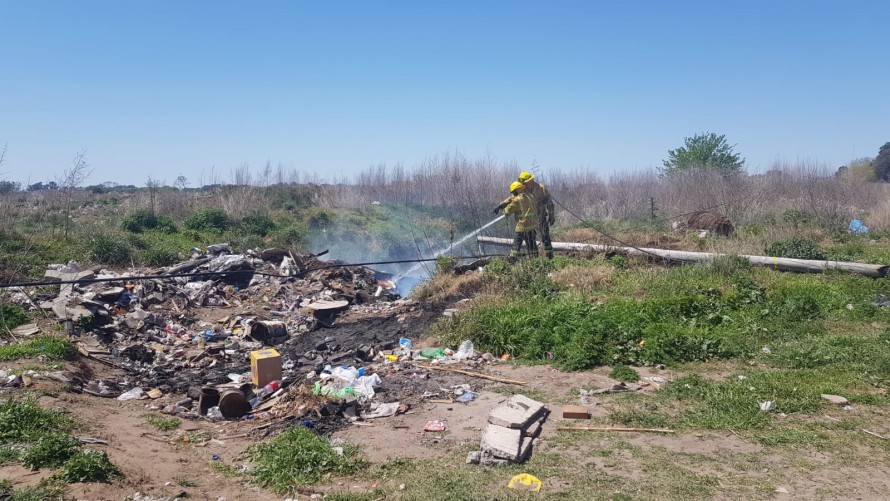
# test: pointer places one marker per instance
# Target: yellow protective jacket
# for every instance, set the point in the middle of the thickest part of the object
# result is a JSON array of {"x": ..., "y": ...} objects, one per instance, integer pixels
[
  {"x": 543, "y": 202},
  {"x": 523, "y": 207}
]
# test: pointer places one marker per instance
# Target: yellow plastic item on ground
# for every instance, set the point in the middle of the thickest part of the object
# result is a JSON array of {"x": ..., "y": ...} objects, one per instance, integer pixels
[{"x": 525, "y": 482}]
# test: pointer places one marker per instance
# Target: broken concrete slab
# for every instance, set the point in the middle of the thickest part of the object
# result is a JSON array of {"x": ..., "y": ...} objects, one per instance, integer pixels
[
  {"x": 534, "y": 429},
  {"x": 517, "y": 412},
  {"x": 504, "y": 443},
  {"x": 26, "y": 330}
]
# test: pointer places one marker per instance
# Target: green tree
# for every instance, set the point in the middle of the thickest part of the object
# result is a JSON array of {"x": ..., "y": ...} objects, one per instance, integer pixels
[
  {"x": 708, "y": 152},
  {"x": 882, "y": 163}
]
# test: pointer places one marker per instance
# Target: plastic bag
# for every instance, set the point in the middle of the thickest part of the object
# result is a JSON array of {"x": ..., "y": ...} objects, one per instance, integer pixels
[
  {"x": 406, "y": 345},
  {"x": 134, "y": 394},
  {"x": 525, "y": 482},
  {"x": 364, "y": 386},
  {"x": 465, "y": 351}
]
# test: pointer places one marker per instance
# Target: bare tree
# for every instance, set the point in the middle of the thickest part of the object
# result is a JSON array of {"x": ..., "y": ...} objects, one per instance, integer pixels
[
  {"x": 181, "y": 182},
  {"x": 71, "y": 179},
  {"x": 153, "y": 186}
]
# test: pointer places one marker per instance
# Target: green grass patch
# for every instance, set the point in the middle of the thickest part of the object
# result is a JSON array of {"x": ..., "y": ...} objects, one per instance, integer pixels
[
  {"x": 89, "y": 466},
  {"x": 49, "y": 347},
  {"x": 624, "y": 373},
  {"x": 297, "y": 458},
  {"x": 51, "y": 450},
  {"x": 162, "y": 423},
  {"x": 23, "y": 421}
]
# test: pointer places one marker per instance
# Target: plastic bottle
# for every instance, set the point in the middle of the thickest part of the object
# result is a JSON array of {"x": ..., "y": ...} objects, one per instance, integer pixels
[
  {"x": 433, "y": 352},
  {"x": 269, "y": 389}
]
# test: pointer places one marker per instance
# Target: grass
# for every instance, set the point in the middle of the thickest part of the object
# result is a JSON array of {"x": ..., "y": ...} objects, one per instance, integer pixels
[
  {"x": 624, "y": 373},
  {"x": 162, "y": 423},
  {"x": 38, "y": 438},
  {"x": 48, "y": 347},
  {"x": 297, "y": 458}
]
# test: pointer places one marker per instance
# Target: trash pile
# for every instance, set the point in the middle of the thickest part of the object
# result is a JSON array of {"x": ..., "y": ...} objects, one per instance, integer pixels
[
  {"x": 261, "y": 335},
  {"x": 512, "y": 429}
]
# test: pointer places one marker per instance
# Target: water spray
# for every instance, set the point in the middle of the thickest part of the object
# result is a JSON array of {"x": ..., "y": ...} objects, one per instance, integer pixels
[{"x": 449, "y": 248}]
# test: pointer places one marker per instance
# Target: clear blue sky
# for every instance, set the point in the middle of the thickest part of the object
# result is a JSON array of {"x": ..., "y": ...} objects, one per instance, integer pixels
[{"x": 164, "y": 88}]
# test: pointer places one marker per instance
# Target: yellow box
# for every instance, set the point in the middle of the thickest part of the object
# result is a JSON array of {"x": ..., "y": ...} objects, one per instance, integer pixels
[{"x": 265, "y": 366}]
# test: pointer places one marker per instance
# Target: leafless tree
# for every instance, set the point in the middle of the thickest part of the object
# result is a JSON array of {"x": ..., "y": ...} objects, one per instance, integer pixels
[
  {"x": 153, "y": 186},
  {"x": 71, "y": 179}
]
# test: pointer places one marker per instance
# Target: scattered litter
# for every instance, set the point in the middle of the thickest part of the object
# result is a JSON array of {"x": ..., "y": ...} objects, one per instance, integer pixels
[
  {"x": 134, "y": 394},
  {"x": 769, "y": 405},
  {"x": 766, "y": 350},
  {"x": 857, "y": 227},
  {"x": 525, "y": 482},
  {"x": 835, "y": 399},
  {"x": 781, "y": 490},
  {"x": 881, "y": 301},
  {"x": 467, "y": 397},
  {"x": 434, "y": 426}
]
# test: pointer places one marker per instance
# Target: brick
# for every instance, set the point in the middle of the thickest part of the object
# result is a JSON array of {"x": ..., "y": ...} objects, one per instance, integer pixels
[
  {"x": 502, "y": 442},
  {"x": 575, "y": 412},
  {"x": 517, "y": 412}
]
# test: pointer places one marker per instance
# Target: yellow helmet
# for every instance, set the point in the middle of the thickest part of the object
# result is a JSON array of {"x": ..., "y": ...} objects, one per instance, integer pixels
[
  {"x": 526, "y": 177},
  {"x": 515, "y": 186}
]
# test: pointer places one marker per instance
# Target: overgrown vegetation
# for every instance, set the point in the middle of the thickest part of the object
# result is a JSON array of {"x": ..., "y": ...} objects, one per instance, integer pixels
[
  {"x": 298, "y": 457},
  {"x": 796, "y": 248},
  {"x": 162, "y": 423},
  {"x": 47, "y": 347}
]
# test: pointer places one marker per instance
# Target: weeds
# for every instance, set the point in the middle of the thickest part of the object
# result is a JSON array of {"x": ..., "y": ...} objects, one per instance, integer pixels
[
  {"x": 89, "y": 466},
  {"x": 51, "y": 450},
  {"x": 298, "y": 457},
  {"x": 48, "y": 347},
  {"x": 624, "y": 373},
  {"x": 161, "y": 423}
]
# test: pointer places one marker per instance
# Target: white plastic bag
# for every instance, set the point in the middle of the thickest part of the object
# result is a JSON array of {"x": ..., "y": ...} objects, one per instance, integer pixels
[{"x": 465, "y": 351}]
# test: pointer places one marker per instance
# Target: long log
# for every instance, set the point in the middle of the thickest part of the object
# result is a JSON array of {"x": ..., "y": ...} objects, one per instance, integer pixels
[
  {"x": 474, "y": 374},
  {"x": 778, "y": 263}
]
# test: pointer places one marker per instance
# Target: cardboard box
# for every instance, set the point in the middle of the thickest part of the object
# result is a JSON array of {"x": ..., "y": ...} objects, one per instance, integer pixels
[
  {"x": 265, "y": 366},
  {"x": 575, "y": 412}
]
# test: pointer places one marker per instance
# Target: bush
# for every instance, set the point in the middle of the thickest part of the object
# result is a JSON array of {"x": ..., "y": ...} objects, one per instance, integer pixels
[
  {"x": 12, "y": 316},
  {"x": 796, "y": 248},
  {"x": 257, "y": 224},
  {"x": 144, "y": 219},
  {"x": 208, "y": 219},
  {"x": 103, "y": 248},
  {"x": 89, "y": 466},
  {"x": 51, "y": 450},
  {"x": 294, "y": 233},
  {"x": 624, "y": 373}
]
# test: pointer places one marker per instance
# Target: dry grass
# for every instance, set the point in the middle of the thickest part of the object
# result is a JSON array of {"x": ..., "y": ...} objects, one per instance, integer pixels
[
  {"x": 585, "y": 278},
  {"x": 447, "y": 287}
]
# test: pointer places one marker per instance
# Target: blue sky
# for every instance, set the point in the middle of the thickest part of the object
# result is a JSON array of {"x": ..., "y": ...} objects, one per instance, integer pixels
[{"x": 164, "y": 88}]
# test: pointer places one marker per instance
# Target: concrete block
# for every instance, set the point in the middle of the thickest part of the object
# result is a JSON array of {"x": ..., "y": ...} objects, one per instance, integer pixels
[
  {"x": 503, "y": 443},
  {"x": 517, "y": 412}
]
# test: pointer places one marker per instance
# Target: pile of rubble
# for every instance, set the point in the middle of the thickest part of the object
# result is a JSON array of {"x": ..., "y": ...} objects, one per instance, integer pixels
[
  {"x": 190, "y": 339},
  {"x": 512, "y": 429}
]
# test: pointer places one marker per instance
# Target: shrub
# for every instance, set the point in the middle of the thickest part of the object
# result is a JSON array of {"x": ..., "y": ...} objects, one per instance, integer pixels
[
  {"x": 796, "y": 248},
  {"x": 51, "y": 450},
  {"x": 257, "y": 224},
  {"x": 292, "y": 234},
  {"x": 103, "y": 248},
  {"x": 89, "y": 466},
  {"x": 12, "y": 316},
  {"x": 144, "y": 219},
  {"x": 624, "y": 373},
  {"x": 208, "y": 219}
]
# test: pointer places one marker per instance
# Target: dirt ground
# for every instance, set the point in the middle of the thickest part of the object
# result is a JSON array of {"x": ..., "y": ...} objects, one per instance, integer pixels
[{"x": 161, "y": 464}]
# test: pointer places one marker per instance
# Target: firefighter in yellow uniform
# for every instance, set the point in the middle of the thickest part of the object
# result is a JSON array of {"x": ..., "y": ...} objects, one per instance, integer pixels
[
  {"x": 521, "y": 205},
  {"x": 543, "y": 207}
]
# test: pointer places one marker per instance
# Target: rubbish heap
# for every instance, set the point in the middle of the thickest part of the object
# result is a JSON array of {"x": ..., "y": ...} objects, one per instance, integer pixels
[
  {"x": 263, "y": 335},
  {"x": 512, "y": 429}
]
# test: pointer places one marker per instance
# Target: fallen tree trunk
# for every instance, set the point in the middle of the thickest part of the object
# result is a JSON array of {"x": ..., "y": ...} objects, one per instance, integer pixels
[{"x": 779, "y": 263}]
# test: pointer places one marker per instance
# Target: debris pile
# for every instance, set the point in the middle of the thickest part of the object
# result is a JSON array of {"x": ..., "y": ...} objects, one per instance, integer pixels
[{"x": 512, "y": 429}]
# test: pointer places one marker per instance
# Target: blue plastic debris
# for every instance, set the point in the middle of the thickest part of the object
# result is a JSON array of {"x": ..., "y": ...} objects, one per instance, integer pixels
[{"x": 857, "y": 227}]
